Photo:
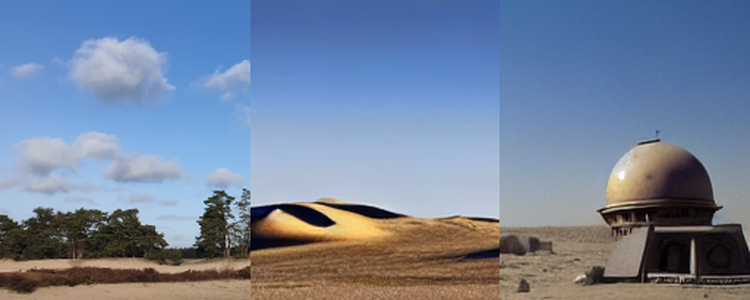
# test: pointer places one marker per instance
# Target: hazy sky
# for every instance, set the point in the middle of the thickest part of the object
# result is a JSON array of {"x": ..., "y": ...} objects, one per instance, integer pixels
[
  {"x": 389, "y": 103},
  {"x": 124, "y": 105},
  {"x": 583, "y": 81}
]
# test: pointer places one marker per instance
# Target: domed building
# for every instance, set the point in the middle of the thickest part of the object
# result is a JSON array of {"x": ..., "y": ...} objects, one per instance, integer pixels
[
  {"x": 660, "y": 184},
  {"x": 660, "y": 206}
]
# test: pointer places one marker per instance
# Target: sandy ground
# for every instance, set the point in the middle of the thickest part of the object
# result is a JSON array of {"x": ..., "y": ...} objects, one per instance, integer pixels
[
  {"x": 220, "y": 289},
  {"x": 577, "y": 249},
  {"x": 420, "y": 260},
  {"x": 7, "y": 265},
  {"x": 423, "y": 262}
]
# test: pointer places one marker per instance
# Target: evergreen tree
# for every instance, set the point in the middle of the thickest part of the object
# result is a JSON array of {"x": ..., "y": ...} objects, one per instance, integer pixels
[
  {"x": 80, "y": 228},
  {"x": 123, "y": 235},
  {"x": 242, "y": 227},
  {"x": 9, "y": 231},
  {"x": 43, "y": 235},
  {"x": 214, "y": 240}
]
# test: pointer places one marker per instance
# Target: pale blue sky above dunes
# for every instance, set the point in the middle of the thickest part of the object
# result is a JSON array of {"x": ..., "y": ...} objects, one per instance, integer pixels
[
  {"x": 583, "y": 81},
  {"x": 391, "y": 103},
  {"x": 133, "y": 105}
]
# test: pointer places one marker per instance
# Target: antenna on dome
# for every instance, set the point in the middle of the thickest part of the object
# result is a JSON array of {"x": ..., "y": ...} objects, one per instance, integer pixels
[{"x": 657, "y": 133}]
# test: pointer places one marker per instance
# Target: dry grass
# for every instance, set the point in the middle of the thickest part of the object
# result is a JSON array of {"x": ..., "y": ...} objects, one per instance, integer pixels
[{"x": 27, "y": 282}]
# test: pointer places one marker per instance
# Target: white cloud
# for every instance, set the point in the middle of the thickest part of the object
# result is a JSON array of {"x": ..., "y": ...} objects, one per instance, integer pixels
[
  {"x": 135, "y": 167},
  {"x": 49, "y": 185},
  {"x": 243, "y": 111},
  {"x": 29, "y": 70},
  {"x": 234, "y": 80},
  {"x": 223, "y": 179},
  {"x": 42, "y": 155},
  {"x": 80, "y": 200},
  {"x": 140, "y": 198},
  {"x": 113, "y": 69},
  {"x": 168, "y": 202},
  {"x": 11, "y": 181}
]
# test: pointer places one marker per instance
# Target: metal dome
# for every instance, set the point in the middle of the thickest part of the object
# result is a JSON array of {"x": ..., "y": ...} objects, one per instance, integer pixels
[{"x": 654, "y": 174}]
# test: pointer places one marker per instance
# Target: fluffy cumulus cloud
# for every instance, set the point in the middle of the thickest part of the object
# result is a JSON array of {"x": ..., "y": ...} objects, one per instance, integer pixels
[
  {"x": 42, "y": 155},
  {"x": 113, "y": 69},
  {"x": 29, "y": 70},
  {"x": 223, "y": 179},
  {"x": 243, "y": 111},
  {"x": 10, "y": 181},
  {"x": 49, "y": 185},
  {"x": 232, "y": 81},
  {"x": 43, "y": 158},
  {"x": 135, "y": 167}
]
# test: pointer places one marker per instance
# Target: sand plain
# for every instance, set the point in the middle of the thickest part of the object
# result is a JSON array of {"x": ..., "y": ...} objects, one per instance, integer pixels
[
  {"x": 577, "y": 249},
  {"x": 218, "y": 289}
]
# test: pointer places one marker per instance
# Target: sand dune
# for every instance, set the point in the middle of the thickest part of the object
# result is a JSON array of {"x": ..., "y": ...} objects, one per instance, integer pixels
[
  {"x": 300, "y": 223},
  {"x": 376, "y": 254}
]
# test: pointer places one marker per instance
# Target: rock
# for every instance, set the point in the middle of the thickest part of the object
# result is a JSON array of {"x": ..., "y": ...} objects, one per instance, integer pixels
[
  {"x": 581, "y": 279},
  {"x": 592, "y": 276},
  {"x": 523, "y": 286}
]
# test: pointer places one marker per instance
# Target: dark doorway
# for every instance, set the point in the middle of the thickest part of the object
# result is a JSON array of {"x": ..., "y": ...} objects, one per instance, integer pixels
[{"x": 675, "y": 257}]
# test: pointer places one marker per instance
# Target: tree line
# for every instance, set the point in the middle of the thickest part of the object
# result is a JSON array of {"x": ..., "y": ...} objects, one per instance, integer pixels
[
  {"x": 91, "y": 233},
  {"x": 84, "y": 233}
]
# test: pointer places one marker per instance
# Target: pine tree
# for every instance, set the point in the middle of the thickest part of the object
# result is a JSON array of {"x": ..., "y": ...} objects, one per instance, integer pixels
[
  {"x": 9, "y": 231},
  {"x": 242, "y": 226},
  {"x": 215, "y": 240}
]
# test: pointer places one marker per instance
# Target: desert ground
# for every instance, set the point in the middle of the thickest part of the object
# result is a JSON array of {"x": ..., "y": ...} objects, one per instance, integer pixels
[
  {"x": 416, "y": 259},
  {"x": 577, "y": 249},
  {"x": 219, "y": 289},
  {"x": 359, "y": 257}
]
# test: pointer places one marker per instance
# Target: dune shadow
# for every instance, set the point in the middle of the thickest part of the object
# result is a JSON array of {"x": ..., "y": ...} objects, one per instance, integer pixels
[
  {"x": 364, "y": 210},
  {"x": 481, "y": 219},
  {"x": 304, "y": 213},
  {"x": 483, "y": 254},
  {"x": 301, "y": 212}
]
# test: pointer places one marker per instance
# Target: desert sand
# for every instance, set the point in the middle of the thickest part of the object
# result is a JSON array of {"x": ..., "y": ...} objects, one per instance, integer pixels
[
  {"x": 219, "y": 289},
  {"x": 394, "y": 258},
  {"x": 7, "y": 265},
  {"x": 577, "y": 249}
]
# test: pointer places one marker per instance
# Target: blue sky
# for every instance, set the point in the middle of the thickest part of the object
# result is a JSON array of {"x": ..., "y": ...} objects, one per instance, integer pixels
[
  {"x": 583, "y": 81},
  {"x": 388, "y": 103},
  {"x": 133, "y": 105}
]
